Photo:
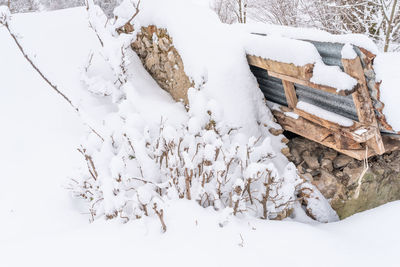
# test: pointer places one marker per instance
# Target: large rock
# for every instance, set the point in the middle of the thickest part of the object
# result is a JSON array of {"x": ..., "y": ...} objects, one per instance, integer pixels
[
  {"x": 341, "y": 161},
  {"x": 344, "y": 181},
  {"x": 327, "y": 164},
  {"x": 311, "y": 160},
  {"x": 329, "y": 185},
  {"x": 160, "y": 58}
]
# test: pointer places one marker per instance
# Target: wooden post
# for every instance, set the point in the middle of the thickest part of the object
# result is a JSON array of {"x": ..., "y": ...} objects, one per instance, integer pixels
[
  {"x": 363, "y": 102},
  {"x": 321, "y": 135},
  {"x": 290, "y": 94}
]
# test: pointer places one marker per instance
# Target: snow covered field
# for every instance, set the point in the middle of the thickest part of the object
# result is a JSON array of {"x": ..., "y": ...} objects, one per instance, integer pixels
[{"x": 41, "y": 225}]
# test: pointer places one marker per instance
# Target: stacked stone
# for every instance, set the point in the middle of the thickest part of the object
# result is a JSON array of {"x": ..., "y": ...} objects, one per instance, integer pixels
[
  {"x": 160, "y": 58},
  {"x": 338, "y": 176}
]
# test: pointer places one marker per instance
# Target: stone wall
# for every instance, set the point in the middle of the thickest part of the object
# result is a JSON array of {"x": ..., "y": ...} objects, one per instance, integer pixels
[
  {"x": 338, "y": 176},
  {"x": 160, "y": 58}
]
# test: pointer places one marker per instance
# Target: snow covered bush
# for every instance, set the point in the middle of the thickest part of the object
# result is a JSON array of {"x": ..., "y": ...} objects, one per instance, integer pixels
[
  {"x": 131, "y": 171},
  {"x": 137, "y": 161}
]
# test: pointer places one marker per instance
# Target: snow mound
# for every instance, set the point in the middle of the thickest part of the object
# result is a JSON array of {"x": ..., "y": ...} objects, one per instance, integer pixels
[
  {"x": 387, "y": 66},
  {"x": 209, "y": 51},
  {"x": 219, "y": 152}
]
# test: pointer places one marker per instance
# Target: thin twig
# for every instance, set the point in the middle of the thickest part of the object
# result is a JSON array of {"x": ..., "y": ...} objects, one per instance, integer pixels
[
  {"x": 52, "y": 85},
  {"x": 136, "y": 13},
  {"x": 37, "y": 69}
]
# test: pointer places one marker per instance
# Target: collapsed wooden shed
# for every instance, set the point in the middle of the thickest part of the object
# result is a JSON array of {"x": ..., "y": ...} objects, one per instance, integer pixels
[{"x": 287, "y": 85}]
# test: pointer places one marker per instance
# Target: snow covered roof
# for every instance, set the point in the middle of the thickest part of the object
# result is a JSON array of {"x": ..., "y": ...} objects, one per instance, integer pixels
[
  {"x": 331, "y": 84},
  {"x": 329, "y": 50}
]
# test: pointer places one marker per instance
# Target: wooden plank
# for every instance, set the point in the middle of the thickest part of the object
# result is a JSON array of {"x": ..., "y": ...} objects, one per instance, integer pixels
[
  {"x": 363, "y": 102},
  {"x": 290, "y": 93},
  {"x": 318, "y": 134},
  {"x": 310, "y": 84},
  {"x": 343, "y": 142},
  {"x": 300, "y": 72},
  {"x": 325, "y": 123},
  {"x": 299, "y": 125},
  {"x": 349, "y": 132},
  {"x": 361, "y": 97}
]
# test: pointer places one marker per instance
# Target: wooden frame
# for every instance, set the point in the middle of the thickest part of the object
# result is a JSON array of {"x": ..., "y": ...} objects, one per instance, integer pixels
[
  {"x": 363, "y": 139},
  {"x": 304, "y": 72},
  {"x": 292, "y": 73}
]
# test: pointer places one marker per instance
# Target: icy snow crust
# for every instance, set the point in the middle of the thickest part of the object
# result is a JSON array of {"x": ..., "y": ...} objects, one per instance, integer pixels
[{"x": 40, "y": 225}]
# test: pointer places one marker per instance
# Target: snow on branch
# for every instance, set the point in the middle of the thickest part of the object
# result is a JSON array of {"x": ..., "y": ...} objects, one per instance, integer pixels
[{"x": 4, "y": 19}]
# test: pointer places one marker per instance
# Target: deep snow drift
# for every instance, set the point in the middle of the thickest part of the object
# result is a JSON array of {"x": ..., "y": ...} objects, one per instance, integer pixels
[{"x": 40, "y": 224}]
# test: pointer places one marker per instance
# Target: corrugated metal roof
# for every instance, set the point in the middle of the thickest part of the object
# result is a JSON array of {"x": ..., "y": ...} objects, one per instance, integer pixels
[
  {"x": 331, "y": 53},
  {"x": 274, "y": 92}
]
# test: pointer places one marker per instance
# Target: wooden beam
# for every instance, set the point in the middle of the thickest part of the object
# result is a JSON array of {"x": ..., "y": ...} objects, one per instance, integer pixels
[
  {"x": 363, "y": 102},
  {"x": 343, "y": 142},
  {"x": 318, "y": 134},
  {"x": 292, "y": 73},
  {"x": 300, "y": 72},
  {"x": 352, "y": 132},
  {"x": 299, "y": 125},
  {"x": 310, "y": 84},
  {"x": 290, "y": 93}
]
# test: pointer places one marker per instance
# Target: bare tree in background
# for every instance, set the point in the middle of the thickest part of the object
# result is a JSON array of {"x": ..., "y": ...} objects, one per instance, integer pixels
[
  {"x": 18, "y": 6},
  {"x": 282, "y": 12},
  {"x": 21, "y": 5},
  {"x": 224, "y": 11},
  {"x": 391, "y": 17},
  {"x": 230, "y": 11},
  {"x": 378, "y": 19},
  {"x": 241, "y": 11}
]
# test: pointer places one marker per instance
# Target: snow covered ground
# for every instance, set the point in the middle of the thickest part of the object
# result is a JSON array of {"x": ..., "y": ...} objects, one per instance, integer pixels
[{"x": 40, "y": 224}]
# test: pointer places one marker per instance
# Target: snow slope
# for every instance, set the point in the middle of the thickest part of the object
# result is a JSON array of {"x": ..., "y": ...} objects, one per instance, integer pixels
[{"x": 40, "y": 224}]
